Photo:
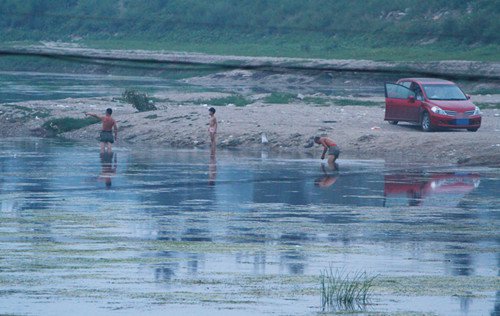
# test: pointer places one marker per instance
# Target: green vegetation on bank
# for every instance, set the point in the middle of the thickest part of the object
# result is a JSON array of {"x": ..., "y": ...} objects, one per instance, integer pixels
[
  {"x": 66, "y": 124},
  {"x": 237, "y": 100},
  {"x": 279, "y": 98},
  {"x": 289, "y": 46},
  {"x": 371, "y": 29}
]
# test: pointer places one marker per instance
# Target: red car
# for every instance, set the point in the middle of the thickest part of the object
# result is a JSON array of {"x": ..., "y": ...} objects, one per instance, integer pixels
[{"x": 431, "y": 103}]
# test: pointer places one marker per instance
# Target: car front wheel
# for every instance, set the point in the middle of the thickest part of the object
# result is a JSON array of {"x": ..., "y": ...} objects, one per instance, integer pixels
[
  {"x": 472, "y": 129},
  {"x": 393, "y": 122},
  {"x": 426, "y": 122}
]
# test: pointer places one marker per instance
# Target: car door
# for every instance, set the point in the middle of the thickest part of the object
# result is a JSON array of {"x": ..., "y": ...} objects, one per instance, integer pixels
[
  {"x": 412, "y": 110},
  {"x": 396, "y": 102}
]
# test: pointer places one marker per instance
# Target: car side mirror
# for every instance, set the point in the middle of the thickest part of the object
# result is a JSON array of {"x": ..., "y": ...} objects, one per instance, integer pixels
[
  {"x": 411, "y": 98},
  {"x": 467, "y": 96}
]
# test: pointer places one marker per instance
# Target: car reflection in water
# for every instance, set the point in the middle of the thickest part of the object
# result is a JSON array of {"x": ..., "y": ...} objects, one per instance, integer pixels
[{"x": 431, "y": 189}]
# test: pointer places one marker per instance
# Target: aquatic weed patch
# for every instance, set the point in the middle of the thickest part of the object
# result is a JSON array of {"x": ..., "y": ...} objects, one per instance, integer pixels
[
  {"x": 345, "y": 291},
  {"x": 414, "y": 285}
]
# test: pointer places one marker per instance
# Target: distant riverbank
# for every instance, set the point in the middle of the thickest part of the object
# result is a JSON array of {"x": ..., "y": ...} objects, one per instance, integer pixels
[{"x": 447, "y": 68}]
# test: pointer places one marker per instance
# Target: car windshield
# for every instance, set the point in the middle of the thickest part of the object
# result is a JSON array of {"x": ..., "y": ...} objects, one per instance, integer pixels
[{"x": 444, "y": 92}]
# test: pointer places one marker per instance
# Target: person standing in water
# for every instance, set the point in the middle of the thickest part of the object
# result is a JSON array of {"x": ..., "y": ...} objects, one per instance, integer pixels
[
  {"x": 212, "y": 129},
  {"x": 108, "y": 127},
  {"x": 330, "y": 147}
]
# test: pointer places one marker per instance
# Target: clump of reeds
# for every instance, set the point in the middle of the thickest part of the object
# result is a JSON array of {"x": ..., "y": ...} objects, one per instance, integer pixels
[{"x": 344, "y": 290}]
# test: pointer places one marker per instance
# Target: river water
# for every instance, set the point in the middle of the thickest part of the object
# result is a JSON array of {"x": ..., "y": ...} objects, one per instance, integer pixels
[
  {"x": 18, "y": 86},
  {"x": 239, "y": 233}
]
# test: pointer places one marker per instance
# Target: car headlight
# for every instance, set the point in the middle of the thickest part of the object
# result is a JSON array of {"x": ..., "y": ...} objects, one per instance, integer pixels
[
  {"x": 438, "y": 110},
  {"x": 477, "y": 111}
]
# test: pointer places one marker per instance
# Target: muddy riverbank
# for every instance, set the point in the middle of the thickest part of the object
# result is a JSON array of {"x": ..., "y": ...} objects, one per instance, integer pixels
[
  {"x": 286, "y": 108},
  {"x": 181, "y": 121}
]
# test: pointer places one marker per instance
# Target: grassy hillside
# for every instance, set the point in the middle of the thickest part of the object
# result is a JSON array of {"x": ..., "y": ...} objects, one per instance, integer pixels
[{"x": 382, "y": 29}]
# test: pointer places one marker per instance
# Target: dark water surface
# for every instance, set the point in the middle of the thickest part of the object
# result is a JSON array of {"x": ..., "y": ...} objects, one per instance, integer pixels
[{"x": 242, "y": 233}]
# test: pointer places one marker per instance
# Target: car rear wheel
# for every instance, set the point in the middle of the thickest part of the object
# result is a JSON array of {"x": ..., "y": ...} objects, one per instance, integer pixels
[
  {"x": 426, "y": 122},
  {"x": 472, "y": 129},
  {"x": 393, "y": 122}
]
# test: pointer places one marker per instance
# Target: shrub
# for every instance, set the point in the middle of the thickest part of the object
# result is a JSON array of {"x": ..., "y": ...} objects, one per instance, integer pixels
[{"x": 139, "y": 100}]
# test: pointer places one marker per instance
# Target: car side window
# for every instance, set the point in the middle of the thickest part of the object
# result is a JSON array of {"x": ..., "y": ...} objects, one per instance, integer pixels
[
  {"x": 415, "y": 88},
  {"x": 396, "y": 91},
  {"x": 405, "y": 83}
]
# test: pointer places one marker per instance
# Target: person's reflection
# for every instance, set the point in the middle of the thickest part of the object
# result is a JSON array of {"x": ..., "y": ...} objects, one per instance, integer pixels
[
  {"x": 108, "y": 167},
  {"x": 212, "y": 170},
  {"x": 327, "y": 179},
  {"x": 414, "y": 197},
  {"x": 294, "y": 261},
  {"x": 496, "y": 307}
]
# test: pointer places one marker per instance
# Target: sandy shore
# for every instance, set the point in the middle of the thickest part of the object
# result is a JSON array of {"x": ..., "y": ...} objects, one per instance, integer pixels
[{"x": 360, "y": 131}]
